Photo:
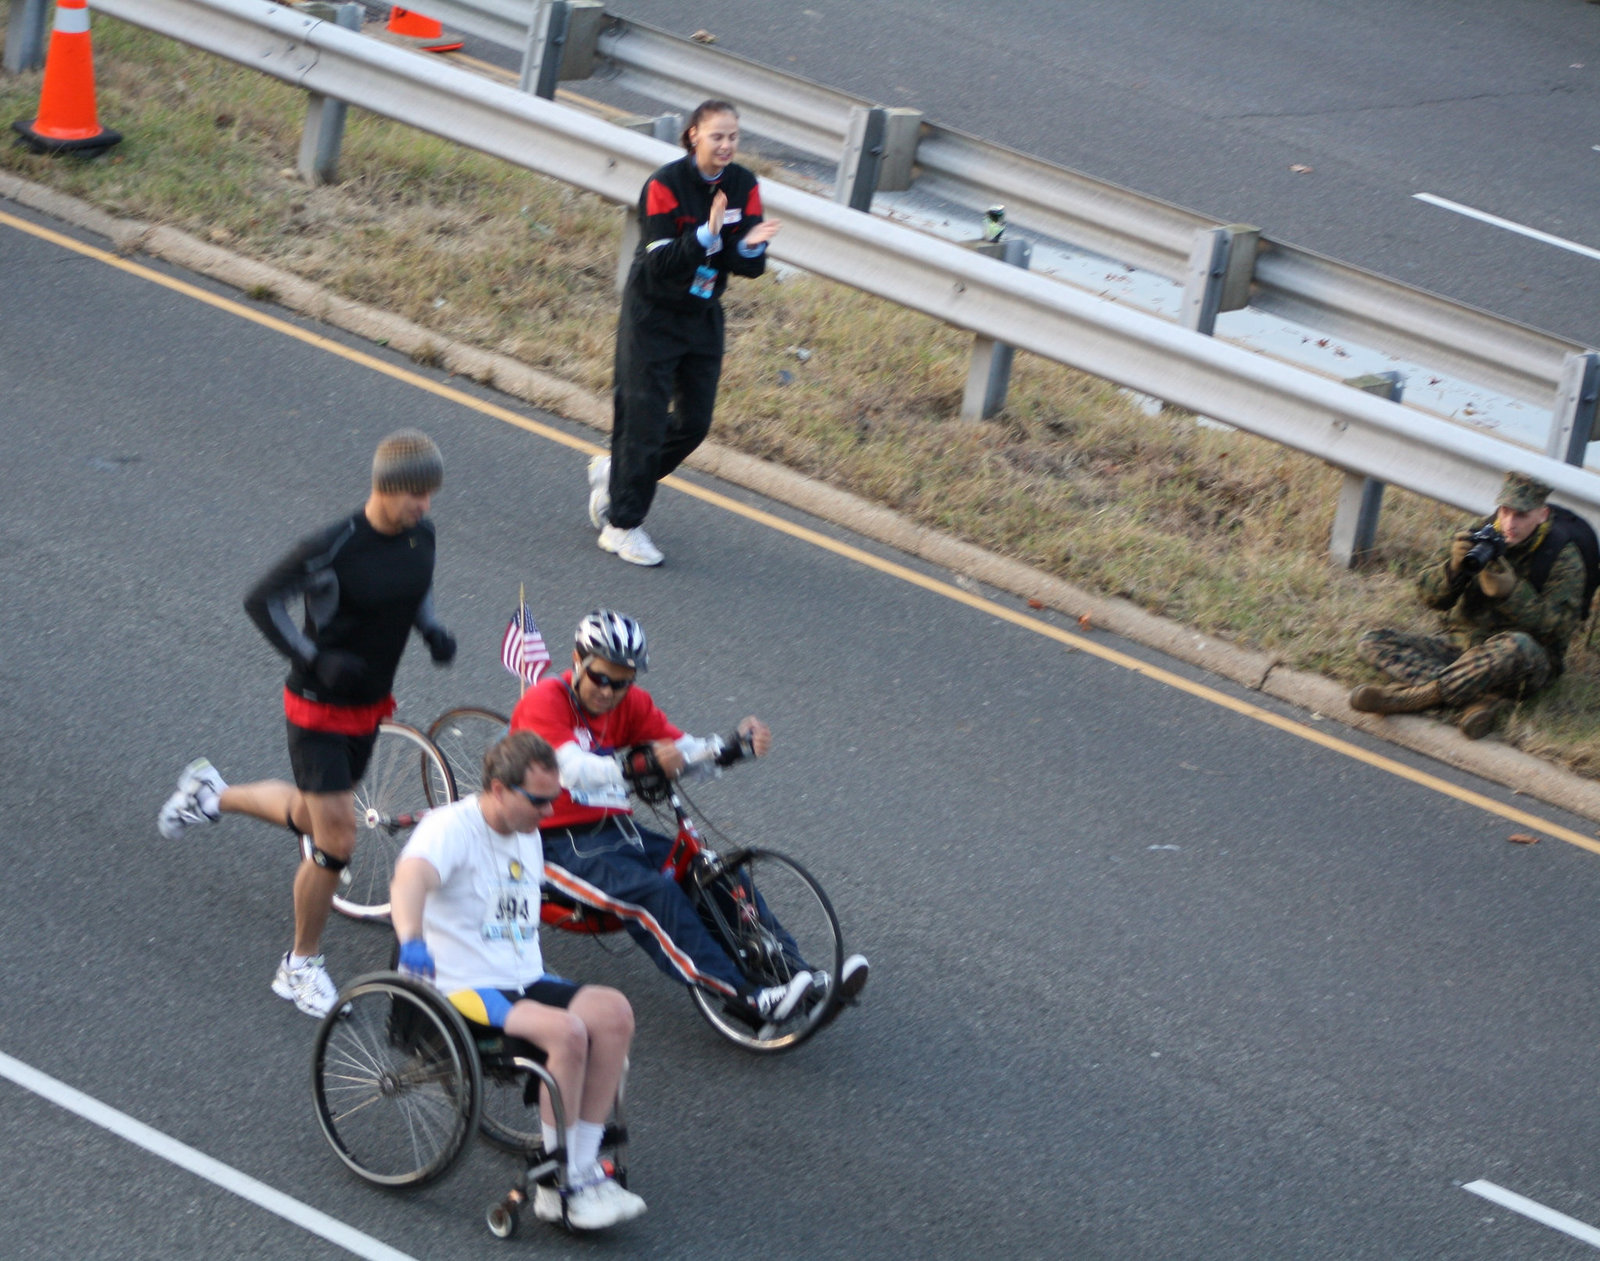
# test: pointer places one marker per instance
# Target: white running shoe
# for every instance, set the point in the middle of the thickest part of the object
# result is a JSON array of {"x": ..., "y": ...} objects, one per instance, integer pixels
[
  {"x": 194, "y": 801},
  {"x": 852, "y": 978},
  {"x": 588, "y": 1208},
  {"x": 777, "y": 1003},
  {"x": 599, "y": 490},
  {"x": 309, "y": 986},
  {"x": 628, "y": 1204},
  {"x": 546, "y": 1203},
  {"x": 634, "y": 546}
]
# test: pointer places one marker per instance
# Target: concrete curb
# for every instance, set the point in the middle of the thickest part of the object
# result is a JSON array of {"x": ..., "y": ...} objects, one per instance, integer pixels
[{"x": 1255, "y": 670}]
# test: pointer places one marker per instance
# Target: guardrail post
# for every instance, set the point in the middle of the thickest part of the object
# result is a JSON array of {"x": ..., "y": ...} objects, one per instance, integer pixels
[
  {"x": 1355, "y": 521},
  {"x": 585, "y": 18},
  {"x": 627, "y": 247},
  {"x": 989, "y": 372},
  {"x": 1222, "y": 262},
  {"x": 26, "y": 30},
  {"x": 1572, "y": 425},
  {"x": 668, "y": 127},
  {"x": 324, "y": 131},
  {"x": 862, "y": 158},
  {"x": 902, "y": 130},
  {"x": 547, "y": 35}
]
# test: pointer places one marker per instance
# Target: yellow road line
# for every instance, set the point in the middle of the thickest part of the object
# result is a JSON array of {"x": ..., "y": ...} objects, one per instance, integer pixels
[{"x": 854, "y": 554}]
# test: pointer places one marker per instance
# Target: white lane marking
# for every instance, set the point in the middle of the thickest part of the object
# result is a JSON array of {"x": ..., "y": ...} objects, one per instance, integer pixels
[
  {"x": 1532, "y": 1208},
  {"x": 1484, "y": 216},
  {"x": 198, "y": 1163}
]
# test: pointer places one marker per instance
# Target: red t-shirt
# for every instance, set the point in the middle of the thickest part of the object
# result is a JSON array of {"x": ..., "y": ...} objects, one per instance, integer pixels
[{"x": 550, "y": 709}]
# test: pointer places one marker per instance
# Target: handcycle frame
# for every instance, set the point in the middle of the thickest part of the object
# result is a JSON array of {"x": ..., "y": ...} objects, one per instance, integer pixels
[
  {"x": 395, "y": 1049},
  {"x": 732, "y": 893}
]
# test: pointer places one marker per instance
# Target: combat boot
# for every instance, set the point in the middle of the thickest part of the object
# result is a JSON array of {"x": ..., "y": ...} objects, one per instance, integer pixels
[
  {"x": 1478, "y": 718},
  {"x": 1369, "y": 698}
]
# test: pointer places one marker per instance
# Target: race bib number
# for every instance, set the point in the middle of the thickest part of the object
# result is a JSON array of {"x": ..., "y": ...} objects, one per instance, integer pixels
[{"x": 514, "y": 913}]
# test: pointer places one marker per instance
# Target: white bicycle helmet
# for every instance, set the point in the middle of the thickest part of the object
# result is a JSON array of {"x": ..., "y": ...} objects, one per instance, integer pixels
[{"x": 613, "y": 637}]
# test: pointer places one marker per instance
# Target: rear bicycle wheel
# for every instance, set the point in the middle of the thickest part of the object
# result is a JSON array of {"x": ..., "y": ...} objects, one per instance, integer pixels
[
  {"x": 774, "y": 920},
  {"x": 463, "y": 736},
  {"x": 406, "y": 778},
  {"x": 396, "y": 1081}
]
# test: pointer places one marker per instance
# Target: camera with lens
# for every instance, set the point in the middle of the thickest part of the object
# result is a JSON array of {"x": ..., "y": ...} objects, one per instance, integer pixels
[{"x": 1488, "y": 546}]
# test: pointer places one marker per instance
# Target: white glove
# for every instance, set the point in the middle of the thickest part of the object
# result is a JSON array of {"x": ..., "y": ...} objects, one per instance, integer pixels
[
  {"x": 592, "y": 780},
  {"x": 699, "y": 756}
]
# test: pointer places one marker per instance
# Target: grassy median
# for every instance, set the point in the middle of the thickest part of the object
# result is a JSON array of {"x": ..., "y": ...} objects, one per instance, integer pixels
[{"x": 1219, "y": 530}]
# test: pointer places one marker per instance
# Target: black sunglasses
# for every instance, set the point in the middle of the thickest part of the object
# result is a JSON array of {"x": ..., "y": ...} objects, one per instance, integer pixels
[
  {"x": 538, "y": 803},
  {"x": 607, "y": 682}
]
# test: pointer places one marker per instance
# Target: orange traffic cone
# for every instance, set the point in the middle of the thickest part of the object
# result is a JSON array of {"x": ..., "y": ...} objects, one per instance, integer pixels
[
  {"x": 67, "y": 122},
  {"x": 422, "y": 32}
]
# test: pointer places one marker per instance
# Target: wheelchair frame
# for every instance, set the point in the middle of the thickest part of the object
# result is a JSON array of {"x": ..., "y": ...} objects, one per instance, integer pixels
[{"x": 398, "y": 1077}]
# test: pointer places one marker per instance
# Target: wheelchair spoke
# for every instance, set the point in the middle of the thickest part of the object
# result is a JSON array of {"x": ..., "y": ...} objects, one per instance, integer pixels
[{"x": 396, "y": 1082}]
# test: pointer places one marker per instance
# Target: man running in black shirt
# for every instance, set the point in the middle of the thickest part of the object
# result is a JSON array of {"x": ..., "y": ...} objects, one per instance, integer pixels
[{"x": 365, "y": 582}]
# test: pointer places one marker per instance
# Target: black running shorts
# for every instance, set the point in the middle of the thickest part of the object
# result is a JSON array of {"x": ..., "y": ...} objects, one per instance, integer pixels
[{"x": 327, "y": 762}]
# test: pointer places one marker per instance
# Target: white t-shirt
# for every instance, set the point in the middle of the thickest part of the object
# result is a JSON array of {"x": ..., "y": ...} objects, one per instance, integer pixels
[{"x": 482, "y": 923}]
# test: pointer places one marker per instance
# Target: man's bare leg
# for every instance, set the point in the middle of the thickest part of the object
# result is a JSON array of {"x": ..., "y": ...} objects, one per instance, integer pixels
[{"x": 331, "y": 820}]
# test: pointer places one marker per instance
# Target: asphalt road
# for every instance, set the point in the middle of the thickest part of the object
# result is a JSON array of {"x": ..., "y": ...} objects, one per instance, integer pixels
[
  {"x": 1152, "y": 978},
  {"x": 1212, "y": 103}
]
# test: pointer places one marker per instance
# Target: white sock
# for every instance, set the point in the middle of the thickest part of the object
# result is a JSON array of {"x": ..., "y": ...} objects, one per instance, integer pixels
[
  {"x": 298, "y": 961},
  {"x": 547, "y": 1135},
  {"x": 583, "y": 1149}
]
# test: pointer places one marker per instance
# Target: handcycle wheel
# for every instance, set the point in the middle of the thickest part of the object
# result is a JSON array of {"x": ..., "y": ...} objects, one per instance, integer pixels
[
  {"x": 463, "y": 736},
  {"x": 406, "y": 777},
  {"x": 774, "y": 920},
  {"x": 396, "y": 1081}
]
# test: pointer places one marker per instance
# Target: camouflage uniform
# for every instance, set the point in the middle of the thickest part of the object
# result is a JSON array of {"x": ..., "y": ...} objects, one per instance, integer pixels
[{"x": 1510, "y": 647}]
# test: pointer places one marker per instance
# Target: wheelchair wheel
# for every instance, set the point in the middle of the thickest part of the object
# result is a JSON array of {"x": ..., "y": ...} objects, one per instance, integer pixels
[
  {"x": 405, "y": 778},
  {"x": 463, "y": 736},
  {"x": 507, "y": 1120},
  {"x": 774, "y": 920},
  {"x": 396, "y": 1081}
]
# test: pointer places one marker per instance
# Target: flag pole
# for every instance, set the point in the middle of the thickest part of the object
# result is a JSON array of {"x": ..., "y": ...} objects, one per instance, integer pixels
[{"x": 522, "y": 603}]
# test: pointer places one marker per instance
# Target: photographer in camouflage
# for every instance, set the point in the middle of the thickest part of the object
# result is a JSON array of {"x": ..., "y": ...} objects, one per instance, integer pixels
[{"x": 1512, "y": 589}]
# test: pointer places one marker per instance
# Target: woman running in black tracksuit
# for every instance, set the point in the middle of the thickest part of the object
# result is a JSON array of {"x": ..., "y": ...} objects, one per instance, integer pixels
[{"x": 700, "y": 220}]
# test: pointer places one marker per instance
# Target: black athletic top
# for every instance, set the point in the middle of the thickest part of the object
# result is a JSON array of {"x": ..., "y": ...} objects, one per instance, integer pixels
[{"x": 363, "y": 592}]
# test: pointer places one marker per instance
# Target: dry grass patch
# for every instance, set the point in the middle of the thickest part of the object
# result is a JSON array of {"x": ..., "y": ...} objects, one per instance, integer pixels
[{"x": 1219, "y": 530}]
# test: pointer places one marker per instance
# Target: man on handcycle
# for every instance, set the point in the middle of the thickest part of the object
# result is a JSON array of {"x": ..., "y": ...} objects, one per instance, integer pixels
[
  {"x": 465, "y": 906},
  {"x": 597, "y": 855}
]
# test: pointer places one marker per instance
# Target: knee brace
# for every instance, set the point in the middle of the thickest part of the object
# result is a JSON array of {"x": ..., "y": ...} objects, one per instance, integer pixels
[{"x": 327, "y": 861}]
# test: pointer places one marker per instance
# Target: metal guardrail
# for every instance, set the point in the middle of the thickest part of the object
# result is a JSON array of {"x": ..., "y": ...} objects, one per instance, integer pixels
[
  {"x": 787, "y": 108},
  {"x": 1345, "y": 427},
  {"x": 1337, "y": 299}
]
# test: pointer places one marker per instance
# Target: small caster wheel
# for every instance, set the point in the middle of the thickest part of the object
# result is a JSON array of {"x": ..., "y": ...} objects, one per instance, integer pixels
[{"x": 502, "y": 1220}]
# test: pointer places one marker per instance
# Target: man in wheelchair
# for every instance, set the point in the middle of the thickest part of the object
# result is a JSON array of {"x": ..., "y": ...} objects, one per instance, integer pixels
[
  {"x": 598, "y": 856},
  {"x": 465, "y": 906}
]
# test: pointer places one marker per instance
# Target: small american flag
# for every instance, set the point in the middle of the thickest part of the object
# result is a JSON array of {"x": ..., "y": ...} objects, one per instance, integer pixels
[{"x": 523, "y": 650}]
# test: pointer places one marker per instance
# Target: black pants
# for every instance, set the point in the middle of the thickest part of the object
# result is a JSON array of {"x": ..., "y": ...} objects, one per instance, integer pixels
[{"x": 667, "y": 370}]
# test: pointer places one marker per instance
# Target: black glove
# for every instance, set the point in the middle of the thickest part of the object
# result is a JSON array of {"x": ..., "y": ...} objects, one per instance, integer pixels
[
  {"x": 735, "y": 748},
  {"x": 644, "y": 774},
  {"x": 338, "y": 671},
  {"x": 441, "y": 644}
]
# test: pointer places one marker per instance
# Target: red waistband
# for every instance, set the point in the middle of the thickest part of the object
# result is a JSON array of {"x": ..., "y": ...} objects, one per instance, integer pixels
[{"x": 343, "y": 720}]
